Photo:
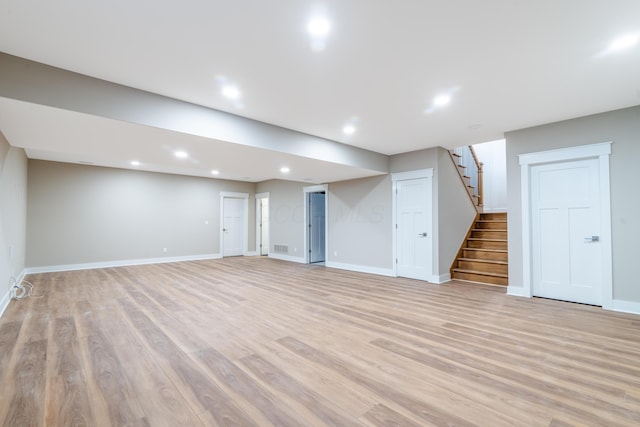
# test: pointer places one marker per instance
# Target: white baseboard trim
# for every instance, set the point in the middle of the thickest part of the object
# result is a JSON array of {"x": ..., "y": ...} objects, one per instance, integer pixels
[
  {"x": 361, "y": 268},
  {"x": 626, "y": 306},
  {"x": 287, "y": 258},
  {"x": 517, "y": 291},
  {"x": 443, "y": 278},
  {"x": 119, "y": 263},
  {"x": 4, "y": 303},
  {"x": 6, "y": 299},
  {"x": 251, "y": 253}
]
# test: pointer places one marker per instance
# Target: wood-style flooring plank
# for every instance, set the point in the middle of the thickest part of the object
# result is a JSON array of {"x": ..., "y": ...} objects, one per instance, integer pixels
[
  {"x": 257, "y": 341},
  {"x": 27, "y": 403},
  {"x": 67, "y": 400}
]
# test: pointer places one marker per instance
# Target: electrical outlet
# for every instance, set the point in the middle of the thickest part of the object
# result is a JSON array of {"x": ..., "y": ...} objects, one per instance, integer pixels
[
  {"x": 164, "y": 250},
  {"x": 335, "y": 254}
]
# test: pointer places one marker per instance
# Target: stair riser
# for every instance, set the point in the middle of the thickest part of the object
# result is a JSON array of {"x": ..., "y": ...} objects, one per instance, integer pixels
[
  {"x": 503, "y": 281},
  {"x": 491, "y": 225},
  {"x": 485, "y": 244},
  {"x": 493, "y": 216},
  {"x": 495, "y": 256},
  {"x": 489, "y": 234},
  {"x": 483, "y": 266}
]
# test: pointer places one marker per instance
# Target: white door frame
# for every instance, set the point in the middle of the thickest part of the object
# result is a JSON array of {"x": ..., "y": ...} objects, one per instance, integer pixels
[
  {"x": 245, "y": 219},
  {"x": 306, "y": 191},
  {"x": 259, "y": 198},
  {"x": 402, "y": 176},
  {"x": 601, "y": 151}
]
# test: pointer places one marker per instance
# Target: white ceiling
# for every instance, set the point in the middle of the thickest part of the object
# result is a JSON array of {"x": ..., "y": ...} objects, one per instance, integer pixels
[{"x": 507, "y": 64}]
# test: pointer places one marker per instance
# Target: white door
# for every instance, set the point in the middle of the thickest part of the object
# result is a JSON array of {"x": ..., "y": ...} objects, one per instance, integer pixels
[
  {"x": 316, "y": 227},
  {"x": 264, "y": 226},
  {"x": 413, "y": 234},
  {"x": 232, "y": 226},
  {"x": 565, "y": 220}
]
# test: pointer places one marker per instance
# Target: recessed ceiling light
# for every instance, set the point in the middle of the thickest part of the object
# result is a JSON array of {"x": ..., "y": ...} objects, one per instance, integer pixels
[
  {"x": 181, "y": 154},
  {"x": 441, "y": 100},
  {"x": 231, "y": 92},
  {"x": 349, "y": 129},
  {"x": 215, "y": 172},
  {"x": 625, "y": 42},
  {"x": 135, "y": 163},
  {"x": 285, "y": 169},
  {"x": 319, "y": 26}
]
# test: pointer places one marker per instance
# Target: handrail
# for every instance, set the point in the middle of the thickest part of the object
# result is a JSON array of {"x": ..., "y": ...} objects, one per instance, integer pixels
[{"x": 470, "y": 167}]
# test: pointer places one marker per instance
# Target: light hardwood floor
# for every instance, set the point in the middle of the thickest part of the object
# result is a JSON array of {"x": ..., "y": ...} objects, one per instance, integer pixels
[{"x": 260, "y": 342}]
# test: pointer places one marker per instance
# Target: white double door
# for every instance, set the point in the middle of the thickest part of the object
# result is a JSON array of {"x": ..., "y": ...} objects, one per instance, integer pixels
[{"x": 565, "y": 231}]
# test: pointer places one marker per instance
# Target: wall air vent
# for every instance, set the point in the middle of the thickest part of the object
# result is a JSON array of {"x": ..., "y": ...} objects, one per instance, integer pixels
[{"x": 281, "y": 249}]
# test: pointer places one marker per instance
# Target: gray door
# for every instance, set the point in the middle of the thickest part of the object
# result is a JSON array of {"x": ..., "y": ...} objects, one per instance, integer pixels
[{"x": 316, "y": 227}]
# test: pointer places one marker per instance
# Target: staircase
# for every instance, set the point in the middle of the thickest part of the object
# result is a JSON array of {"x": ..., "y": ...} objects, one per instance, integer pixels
[{"x": 483, "y": 255}]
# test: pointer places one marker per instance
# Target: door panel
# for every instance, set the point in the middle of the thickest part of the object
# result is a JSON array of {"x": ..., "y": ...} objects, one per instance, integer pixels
[
  {"x": 316, "y": 227},
  {"x": 264, "y": 226},
  {"x": 232, "y": 224},
  {"x": 413, "y": 234},
  {"x": 565, "y": 212}
]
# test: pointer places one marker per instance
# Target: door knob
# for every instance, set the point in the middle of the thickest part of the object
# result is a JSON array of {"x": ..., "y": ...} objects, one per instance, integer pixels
[
  {"x": 422, "y": 234},
  {"x": 592, "y": 239}
]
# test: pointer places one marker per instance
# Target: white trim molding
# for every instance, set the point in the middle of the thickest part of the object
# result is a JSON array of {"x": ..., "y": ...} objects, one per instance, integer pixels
[
  {"x": 320, "y": 188},
  {"x": 600, "y": 151},
  {"x": 443, "y": 278},
  {"x": 402, "y": 176},
  {"x": 245, "y": 219},
  {"x": 361, "y": 268},
  {"x": 517, "y": 291},
  {"x": 119, "y": 263},
  {"x": 419, "y": 173},
  {"x": 258, "y": 207},
  {"x": 6, "y": 299},
  {"x": 626, "y": 306},
  {"x": 289, "y": 258},
  {"x": 4, "y": 302}
]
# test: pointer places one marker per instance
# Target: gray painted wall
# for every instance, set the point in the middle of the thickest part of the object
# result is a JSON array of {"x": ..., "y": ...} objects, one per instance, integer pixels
[
  {"x": 82, "y": 214},
  {"x": 38, "y": 83},
  {"x": 13, "y": 215},
  {"x": 453, "y": 211},
  {"x": 85, "y": 214},
  {"x": 286, "y": 215},
  {"x": 623, "y": 128},
  {"x": 360, "y": 220}
]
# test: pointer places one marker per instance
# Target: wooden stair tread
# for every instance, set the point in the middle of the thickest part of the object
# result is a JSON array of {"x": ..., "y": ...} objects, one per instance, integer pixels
[
  {"x": 488, "y": 261},
  {"x": 486, "y": 250},
  {"x": 480, "y": 273}
]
